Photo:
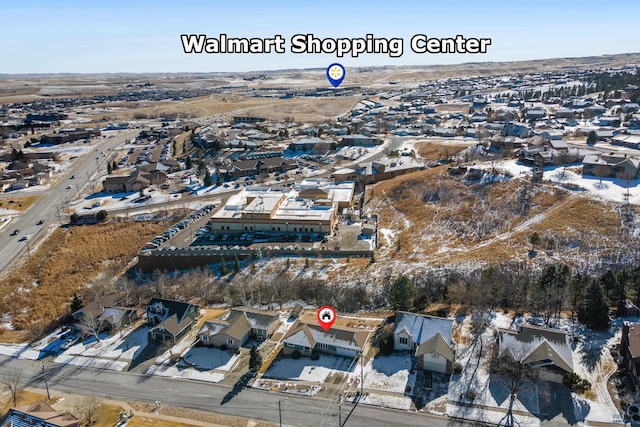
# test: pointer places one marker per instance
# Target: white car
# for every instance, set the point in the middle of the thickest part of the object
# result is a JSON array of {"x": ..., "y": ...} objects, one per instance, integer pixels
[{"x": 70, "y": 343}]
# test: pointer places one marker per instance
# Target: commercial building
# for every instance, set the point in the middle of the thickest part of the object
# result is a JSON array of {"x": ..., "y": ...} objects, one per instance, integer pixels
[{"x": 310, "y": 207}]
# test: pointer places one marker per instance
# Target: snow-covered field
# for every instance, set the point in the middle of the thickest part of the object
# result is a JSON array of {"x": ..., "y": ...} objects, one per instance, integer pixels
[
  {"x": 113, "y": 352},
  {"x": 388, "y": 373},
  {"x": 210, "y": 358},
  {"x": 305, "y": 369},
  {"x": 611, "y": 189},
  {"x": 186, "y": 373}
]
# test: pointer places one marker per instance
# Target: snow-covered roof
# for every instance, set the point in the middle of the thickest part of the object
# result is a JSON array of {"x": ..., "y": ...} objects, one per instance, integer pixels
[{"x": 421, "y": 327}]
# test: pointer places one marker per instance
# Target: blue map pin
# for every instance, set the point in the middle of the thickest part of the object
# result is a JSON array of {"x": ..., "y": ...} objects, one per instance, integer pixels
[{"x": 335, "y": 74}]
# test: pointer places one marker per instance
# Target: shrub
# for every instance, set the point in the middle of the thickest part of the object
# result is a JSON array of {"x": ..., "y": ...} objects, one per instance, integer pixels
[
  {"x": 223, "y": 347},
  {"x": 296, "y": 354},
  {"x": 457, "y": 368},
  {"x": 315, "y": 356},
  {"x": 576, "y": 384}
]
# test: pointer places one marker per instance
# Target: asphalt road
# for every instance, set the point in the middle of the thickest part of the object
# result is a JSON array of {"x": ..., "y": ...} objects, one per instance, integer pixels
[
  {"x": 47, "y": 207},
  {"x": 262, "y": 405}
]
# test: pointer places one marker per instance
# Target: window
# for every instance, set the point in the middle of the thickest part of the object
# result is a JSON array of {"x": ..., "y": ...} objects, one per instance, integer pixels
[
  {"x": 229, "y": 341},
  {"x": 435, "y": 355},
  {"x": 323, "y": 346},
  {"x": 205, "y": 338},
  {"x": 404, "y": 340}
]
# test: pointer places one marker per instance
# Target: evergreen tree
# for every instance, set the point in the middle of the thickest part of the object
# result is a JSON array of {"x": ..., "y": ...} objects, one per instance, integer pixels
[
  {"x": 76, "y": 303},
  {"x": 236, "y": 264},
  {"x": 401, "y": 294},
  {"x": 609, "y": 283},
  {"x": 188, "y": 162},
  {"x": 208, "y": 181},
  {"x": 595, "y": 311},
  {"x": 109, "y": 168},
  {"x": 255, "y": 359},
  {"x": 114, "y": 165},
  {"x": 223, "y": 266},
  {"x": 218, "y": 180},
  {"x": 592, "y": 138}
]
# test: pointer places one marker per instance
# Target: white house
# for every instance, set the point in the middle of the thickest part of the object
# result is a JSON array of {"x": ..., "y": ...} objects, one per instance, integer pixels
[{"x": 428, "y": 337}]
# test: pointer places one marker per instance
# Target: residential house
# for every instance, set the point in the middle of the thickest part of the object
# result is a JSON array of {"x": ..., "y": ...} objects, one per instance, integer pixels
[
  {"x": 231, "y": 332},
  {"x": 614, "y": 165},
  {"x": 630, "y": 350},
  {"x": 258, "y": 166},
  {"x": 428, "y": 337},
  {"x": 170, "y": 320},
  {"x": 109, "y": 311},
  {"x": 544, "y": 348},
  {"x": 136, "y": 181},
  {"x": 39, "y": 414},
  {"x": 239, "y": 325},
  {"x": 308, "y": 339}
]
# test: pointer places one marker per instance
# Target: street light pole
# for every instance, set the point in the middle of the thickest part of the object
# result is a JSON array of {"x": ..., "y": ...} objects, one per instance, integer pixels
[{"x": 280, "y": 412}]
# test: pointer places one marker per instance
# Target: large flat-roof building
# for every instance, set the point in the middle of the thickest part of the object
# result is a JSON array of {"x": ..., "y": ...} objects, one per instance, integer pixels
[{"x": 310, "y": 207}]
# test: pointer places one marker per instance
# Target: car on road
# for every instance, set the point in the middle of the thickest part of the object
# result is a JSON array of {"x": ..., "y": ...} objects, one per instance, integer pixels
[
  {"x": 40, "y": 222},
  {"x": 68, "y": 187},
  {"x": 72, "y": 177},
  {"x": 15, "y": 232},
  {"x": 23, "y": 238}
]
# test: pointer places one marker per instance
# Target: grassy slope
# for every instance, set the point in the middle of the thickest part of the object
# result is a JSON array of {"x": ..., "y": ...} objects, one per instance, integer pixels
[{"x": 39, "y": 292}]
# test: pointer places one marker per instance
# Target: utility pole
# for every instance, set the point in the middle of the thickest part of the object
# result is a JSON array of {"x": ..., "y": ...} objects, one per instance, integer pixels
[
  {"x": 340, "y": 412},
  {"x": 46, "y": 381},
  {"x": 280, "y": 412},
  {"x": 361, "y": 375}
]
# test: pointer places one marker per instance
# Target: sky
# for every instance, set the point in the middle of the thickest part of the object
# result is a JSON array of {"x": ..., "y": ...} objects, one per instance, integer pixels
[{"x": 134, "y": 36}]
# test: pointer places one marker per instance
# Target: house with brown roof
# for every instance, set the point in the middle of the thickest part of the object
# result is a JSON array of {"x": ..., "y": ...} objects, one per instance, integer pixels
[
  {"x": 308, "y": 339},
  {"x": 110, "y": 312},
  {"x": 170, "y": 320},
  {"x": 615, "y": 166},
  {"x": 136, "y": 181},
  {"x": 39, "y": 414},
  {"x": 630, "y": 350},
  {"x": 544, "y": 348},
  {"x": 238, "y": 326}
]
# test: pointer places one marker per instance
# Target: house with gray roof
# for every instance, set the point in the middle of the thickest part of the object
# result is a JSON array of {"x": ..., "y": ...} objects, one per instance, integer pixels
[
  {"x": 170, "y": 320},
  {"x": 544, "y": 348},
  {"x": 428, "y": 337},
  {"x": 309, "y": 338}
]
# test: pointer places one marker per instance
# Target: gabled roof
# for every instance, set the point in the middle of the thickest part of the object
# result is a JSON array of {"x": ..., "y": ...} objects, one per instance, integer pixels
[
  {"x": 423, "y": 327},
  {"x": 259, "y": 319},
  {"x": 39, "y": 414},
  {"x": 436, "y": 344},
  {"x": 538, "y": 346},
  {"x": 175, "y": 319},
  {"x": 309, "y": 335}
]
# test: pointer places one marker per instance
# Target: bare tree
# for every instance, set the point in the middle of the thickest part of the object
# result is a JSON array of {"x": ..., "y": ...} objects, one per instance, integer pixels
[
  {"x": 516, "y": 374},
  {"x": 601, "y": 171},
  {"x": 87, "y": 409},
  {"x": 91, "y": 323},
  {"x": 13, "y": 383}
]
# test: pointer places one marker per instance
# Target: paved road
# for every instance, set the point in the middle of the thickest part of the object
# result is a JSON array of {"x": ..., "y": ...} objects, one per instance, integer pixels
[
  {"x": 46, "y": 208},
  {"x": 296, "y": 410}
]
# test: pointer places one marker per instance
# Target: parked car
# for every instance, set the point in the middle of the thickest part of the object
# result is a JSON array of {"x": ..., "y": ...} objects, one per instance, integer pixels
[
  {"x": 15, "y": 232},
  {"x": 70, "y": 343}
]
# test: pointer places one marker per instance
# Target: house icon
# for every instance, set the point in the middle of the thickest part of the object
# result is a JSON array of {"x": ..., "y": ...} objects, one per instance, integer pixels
[{"x": 326, "y": 316}]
